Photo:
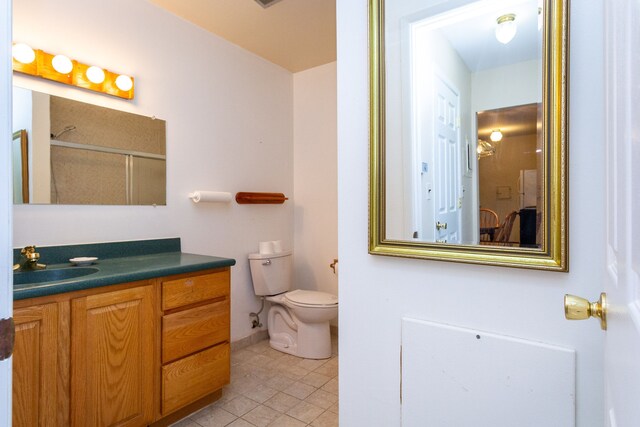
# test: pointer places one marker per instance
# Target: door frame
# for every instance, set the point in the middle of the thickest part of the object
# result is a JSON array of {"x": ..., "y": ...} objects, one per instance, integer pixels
[
  {"x": 622, "y": 266},
  {"x": 6, "y": 256}
]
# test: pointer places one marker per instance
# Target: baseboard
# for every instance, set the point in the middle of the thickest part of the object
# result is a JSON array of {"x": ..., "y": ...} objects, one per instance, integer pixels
[
  {"x": 261, "y": 335},
  {"x": 250, "y": 340}
]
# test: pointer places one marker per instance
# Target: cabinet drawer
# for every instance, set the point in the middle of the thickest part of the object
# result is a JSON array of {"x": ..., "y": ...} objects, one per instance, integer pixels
[
  {"x": 191, "y": 330},
  {"x": 193, "y": 377},
  {"x": 191, "y": 290}
]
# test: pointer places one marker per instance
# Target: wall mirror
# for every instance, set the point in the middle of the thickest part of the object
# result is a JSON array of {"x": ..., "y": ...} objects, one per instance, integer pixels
[
  {"x": 74, "y": 153},
  {"x": 469, "y": 131}
]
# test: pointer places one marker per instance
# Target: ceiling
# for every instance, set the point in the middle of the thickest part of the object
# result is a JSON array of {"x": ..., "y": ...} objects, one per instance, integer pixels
[
  {"x": 294, "y": 34},
  {"x": 471, "y": 32}
]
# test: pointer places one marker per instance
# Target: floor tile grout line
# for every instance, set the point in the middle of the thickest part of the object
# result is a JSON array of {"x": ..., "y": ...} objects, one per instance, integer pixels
[{"x": 246, "y": 364}]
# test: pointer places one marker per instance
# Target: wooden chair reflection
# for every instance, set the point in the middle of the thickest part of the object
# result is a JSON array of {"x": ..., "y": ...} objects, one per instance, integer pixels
[
  {"x": 489, "y": 223},
  {"x": 504, "y": 231}
]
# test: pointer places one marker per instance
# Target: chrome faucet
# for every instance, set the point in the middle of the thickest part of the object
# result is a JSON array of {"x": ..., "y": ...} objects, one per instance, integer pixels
[{"x": 30, "y": 261}]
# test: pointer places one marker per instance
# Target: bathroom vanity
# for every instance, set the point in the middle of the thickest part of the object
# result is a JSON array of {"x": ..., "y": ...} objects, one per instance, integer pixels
[{"x": 144, "y": 340}]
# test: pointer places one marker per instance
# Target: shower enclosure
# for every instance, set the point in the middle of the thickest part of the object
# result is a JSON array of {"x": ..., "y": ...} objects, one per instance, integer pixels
[
  {"x": 97, "y": 175},
  {"x": 80, "y": 153}
]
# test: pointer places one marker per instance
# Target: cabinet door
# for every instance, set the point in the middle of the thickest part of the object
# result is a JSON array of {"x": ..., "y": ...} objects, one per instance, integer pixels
[
  {"x": 35, "y": 366},
  {"x": 112, "y": 358}
]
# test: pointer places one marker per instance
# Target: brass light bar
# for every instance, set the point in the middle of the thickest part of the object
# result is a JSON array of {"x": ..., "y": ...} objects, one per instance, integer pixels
[{"x": 39, "y": 63}]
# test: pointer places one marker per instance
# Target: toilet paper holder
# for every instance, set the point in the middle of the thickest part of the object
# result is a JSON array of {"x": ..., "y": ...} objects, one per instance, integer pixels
[{"x": 246, "y": 198}]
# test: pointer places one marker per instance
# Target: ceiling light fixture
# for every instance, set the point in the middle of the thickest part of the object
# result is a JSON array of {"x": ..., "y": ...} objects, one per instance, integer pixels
[
  {"x": 496, "y": 135},
  {"x": 485, "y": 149},
  {"x": 61, "y": 68},
  {"x": 507, "y": 28}
]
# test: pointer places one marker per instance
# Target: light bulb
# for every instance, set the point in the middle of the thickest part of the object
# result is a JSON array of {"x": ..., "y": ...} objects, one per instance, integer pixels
[
  {"x": 124, "y": 83},
  {"x": 62, "y": 64},
  {"x": 23, "y": 53},
  {"x": 95, "y": 74},
  {"x": 496, "y": 135},
  {"x": 507, "y": 28}
]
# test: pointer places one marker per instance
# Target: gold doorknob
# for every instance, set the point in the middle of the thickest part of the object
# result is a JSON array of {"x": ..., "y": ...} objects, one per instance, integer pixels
[
  {"x": 441, "y": 225},
  {"x": 577, "y": 308}
]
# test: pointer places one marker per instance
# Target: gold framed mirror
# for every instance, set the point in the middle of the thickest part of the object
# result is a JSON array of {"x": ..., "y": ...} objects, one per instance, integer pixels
[
  {"x": 468, "y": 137},
  {"x": 20, "y": 166}
]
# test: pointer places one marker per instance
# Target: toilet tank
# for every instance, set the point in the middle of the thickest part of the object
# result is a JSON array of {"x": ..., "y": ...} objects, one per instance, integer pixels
[{"x": 271, "y": 273}]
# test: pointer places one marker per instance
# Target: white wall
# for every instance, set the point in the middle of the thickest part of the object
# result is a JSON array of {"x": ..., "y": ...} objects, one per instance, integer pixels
[
  {"x": 40, "y": 150},
  {"x": 515, "y": 84},
  {"x": 376, "y": 292},
  {"x": 229, "y": 128},
  {"x": 315, "y": 178}
]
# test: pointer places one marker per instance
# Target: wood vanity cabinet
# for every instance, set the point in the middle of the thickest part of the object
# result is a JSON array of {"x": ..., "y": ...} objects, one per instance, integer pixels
[
  {"x": 112, "y": 358},
  {"x": 133, "y": 354},
  {"x": 195, "y": 338},
  {"x": 35, "y": 366}
]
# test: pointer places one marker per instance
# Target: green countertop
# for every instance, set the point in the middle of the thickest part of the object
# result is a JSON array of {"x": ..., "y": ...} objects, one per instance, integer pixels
[{"x": 112, "y": 271}]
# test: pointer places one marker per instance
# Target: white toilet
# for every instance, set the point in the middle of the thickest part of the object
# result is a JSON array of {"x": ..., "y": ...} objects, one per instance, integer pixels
[{"x": 298, "y": 320}]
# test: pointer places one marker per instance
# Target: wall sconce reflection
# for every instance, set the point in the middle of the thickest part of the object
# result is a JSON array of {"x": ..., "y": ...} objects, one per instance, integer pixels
[{"x": 61, "y": 68}]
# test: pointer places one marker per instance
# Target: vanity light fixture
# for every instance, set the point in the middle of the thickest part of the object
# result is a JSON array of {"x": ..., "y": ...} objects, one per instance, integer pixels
[
  {"x": 507, "y": 28},
  {"x": 61, "y": 68},
  {"x": 23, "y": 53},
  {"x": 496, "y": 135},
  {"x": 124, "y": 82},
  {"x": 95, "y": 74},
  {"x": 62, "y": 64}
]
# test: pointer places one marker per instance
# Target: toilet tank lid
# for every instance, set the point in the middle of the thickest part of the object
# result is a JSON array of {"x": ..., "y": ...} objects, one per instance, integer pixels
[
  {"x": 311, "y": 297},
  {"x": 269, "y": 256}
]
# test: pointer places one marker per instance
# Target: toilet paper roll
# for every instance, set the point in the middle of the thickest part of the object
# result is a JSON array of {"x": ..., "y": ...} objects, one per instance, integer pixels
[
  {"x": 210, "y": 196},
  {"x": 277, "y": 246},
  {"x": 266, "y": 248}
]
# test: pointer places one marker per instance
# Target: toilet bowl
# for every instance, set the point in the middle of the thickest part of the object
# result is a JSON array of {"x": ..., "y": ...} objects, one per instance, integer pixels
[{"x": 298, "y": 320}]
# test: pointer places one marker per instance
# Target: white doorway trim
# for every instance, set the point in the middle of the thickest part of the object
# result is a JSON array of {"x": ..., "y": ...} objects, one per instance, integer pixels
[{"x": 6, "y": 280}]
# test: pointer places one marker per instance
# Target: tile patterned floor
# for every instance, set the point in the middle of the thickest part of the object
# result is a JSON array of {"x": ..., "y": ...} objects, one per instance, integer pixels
[{"x": 270, "y": 388}]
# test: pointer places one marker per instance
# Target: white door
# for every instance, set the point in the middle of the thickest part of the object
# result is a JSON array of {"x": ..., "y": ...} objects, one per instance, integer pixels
[
  {"x": 446, "y": 150},
  {"x": 6, "y": 289},
  {"x": 622, "y": 342}
]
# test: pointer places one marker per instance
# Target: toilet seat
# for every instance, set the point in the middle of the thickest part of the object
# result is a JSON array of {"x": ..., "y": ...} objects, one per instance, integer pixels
[{"x": 304, "y": 298}]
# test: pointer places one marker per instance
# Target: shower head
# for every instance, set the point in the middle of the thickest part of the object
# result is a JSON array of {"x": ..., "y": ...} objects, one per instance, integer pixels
[{"x": 69, "y": 128}]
